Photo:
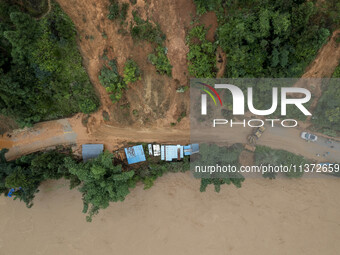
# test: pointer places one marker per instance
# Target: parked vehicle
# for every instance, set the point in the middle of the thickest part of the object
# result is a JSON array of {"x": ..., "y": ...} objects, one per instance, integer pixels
[{"x": 309, "y": 137}]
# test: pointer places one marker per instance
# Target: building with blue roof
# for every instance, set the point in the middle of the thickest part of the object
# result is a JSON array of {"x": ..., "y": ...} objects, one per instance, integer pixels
[
  {"x": 191, "y": 149},
  {"x": 90, "y": 151},
  {"x": 135, "y": 154}
]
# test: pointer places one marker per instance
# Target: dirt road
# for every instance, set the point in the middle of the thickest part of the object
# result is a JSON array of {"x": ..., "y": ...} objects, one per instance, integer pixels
[
  {"x": 70, "y": 131},
  {"x": 277, "y": 138}
]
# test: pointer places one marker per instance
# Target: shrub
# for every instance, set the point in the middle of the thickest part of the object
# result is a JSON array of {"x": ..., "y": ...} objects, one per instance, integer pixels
[
  {"x": 203, "y": 6},
  {"x": 112, "y": 81},
  {"x": 160, "y": 61},
  {"x": 131, "y": 72},
  {"x": 183, "y": 115},
  {"x": 106, "y": 116},
  {"x": 336, "y": 73},
  {"x": 123, "y": 11},
  {"x": 144, "y": 30},
  {"x": 268, "y": 156},
  {"x": 135, "y": 113},
  {"x": 113, "y": 10},
  {"x": 87, "y": 106},
  {"x": 117, "y": 11}
]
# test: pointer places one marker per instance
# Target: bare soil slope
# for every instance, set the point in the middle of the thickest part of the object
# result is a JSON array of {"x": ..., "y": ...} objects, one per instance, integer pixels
[
  {"x": 154, "y": 98},
  {"x": 323, "y": 66}
]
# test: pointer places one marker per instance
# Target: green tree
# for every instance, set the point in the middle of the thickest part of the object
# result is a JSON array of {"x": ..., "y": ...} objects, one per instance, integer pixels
[
  {"x": 160, "y": 60},
  {"x": 112, "y": 81},
  {"x": 131, "y": 72},
  {"x": 201, "y": 56},
  {"x": 211, "y": 155},
  {"x": 102, "y": 182},
  {"x": 41, "y": 73},
  {"x": 26, "y": 173},
  {"x": 273, "y": 39}
]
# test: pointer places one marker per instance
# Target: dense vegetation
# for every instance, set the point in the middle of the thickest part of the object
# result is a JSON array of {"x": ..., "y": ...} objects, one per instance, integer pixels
[
  {"x": 117, "y": 10},
  {"x": 101, "y": 180},
  {"x": 154, "y": 169},
  {"x": 161, "y": 61},
  {"x": 131, "y": 71},
  {"x": 267, "y": 156},
  {"x": 265, "y": 38},
  {"x": 327, "y": 114},
  {"x": 29, "y": 171},
  {"x": 41, "y": 76},
  {"x": 201, "y": 56},
  {"x": 112, "y": 81},
  {"x": 145, "y": 30},
  {"x": 212, "y": 155},
  {"x": 116, "y": 84},
  {"x": 36, "y": 8}
]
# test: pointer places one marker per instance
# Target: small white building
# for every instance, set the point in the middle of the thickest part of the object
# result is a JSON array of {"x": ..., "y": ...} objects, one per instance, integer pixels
[
  {"x": 154, "y": 149},
  {"x": 172, "y": 152},
  {"x": 150, "y": 149}
]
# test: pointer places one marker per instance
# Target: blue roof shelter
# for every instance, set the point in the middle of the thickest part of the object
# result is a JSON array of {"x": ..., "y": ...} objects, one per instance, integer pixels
[
  {"x": 191, "y": 149},
  {"x": 90, "y": 151},
  {"x": 135, "y": 154}
]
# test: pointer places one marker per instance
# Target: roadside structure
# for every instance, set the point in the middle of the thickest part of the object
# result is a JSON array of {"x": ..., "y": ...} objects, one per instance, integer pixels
[
  {"x": 90, "y": 151},
  {"x": 172, "y": 152},
  {"x": 191, "y": 149},
  {"x": 154, "y": 150},
  {"x": 135, "y": 154}
]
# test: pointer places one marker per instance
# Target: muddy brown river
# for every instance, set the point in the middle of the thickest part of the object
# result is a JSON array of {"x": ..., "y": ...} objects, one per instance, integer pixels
[{"x": 173, "y": 217}]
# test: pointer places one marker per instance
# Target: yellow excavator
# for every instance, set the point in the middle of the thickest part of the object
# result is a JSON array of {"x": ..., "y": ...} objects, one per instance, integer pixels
[{"x": 252, "y": 138}]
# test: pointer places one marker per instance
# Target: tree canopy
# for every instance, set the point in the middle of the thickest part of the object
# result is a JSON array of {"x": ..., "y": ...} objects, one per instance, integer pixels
[
  {"x": 27, "y": 172},
  {"x": 265, "y": 38},
  {"x": 41, "y": 75},
  {"x": 102, "y": 182}
]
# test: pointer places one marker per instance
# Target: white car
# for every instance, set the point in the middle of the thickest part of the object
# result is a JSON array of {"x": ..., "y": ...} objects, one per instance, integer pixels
[{"x": 309, "y": 137}]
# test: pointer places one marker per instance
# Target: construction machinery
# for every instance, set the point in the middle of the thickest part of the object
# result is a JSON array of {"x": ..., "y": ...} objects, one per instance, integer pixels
[{"x": 257, "y": 133}]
